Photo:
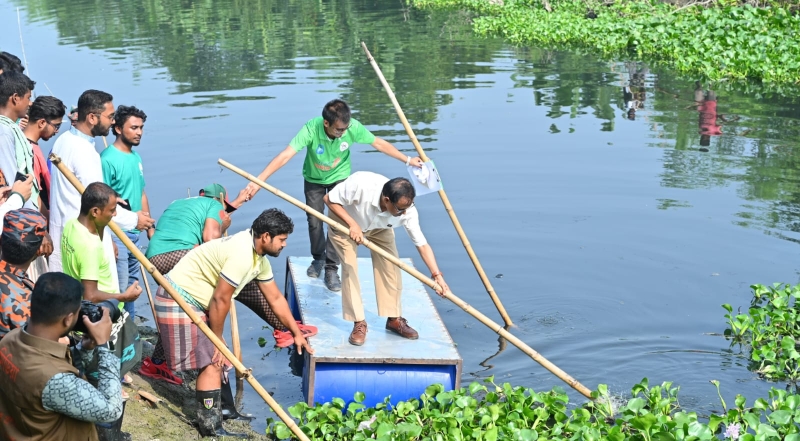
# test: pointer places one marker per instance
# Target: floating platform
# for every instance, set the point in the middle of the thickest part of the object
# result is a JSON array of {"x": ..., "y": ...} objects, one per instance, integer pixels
[{"x": 387, "y": 365}]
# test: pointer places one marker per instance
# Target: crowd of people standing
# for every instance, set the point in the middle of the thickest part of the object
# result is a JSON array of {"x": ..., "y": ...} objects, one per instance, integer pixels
[{"x": 60, "y": 259}]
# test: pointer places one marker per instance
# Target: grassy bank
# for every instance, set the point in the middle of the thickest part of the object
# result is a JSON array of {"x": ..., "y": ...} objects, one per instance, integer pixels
[{"x": 716, "y": 38}]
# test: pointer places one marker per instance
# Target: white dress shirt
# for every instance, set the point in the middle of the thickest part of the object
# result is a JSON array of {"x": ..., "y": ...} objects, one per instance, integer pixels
[{"x": 360, "y": 195}]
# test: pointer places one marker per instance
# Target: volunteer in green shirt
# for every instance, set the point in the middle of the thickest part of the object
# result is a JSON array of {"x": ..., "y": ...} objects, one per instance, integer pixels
[
  {"x": 327, "y": 140},
  {"x": 82, "y": 255}
]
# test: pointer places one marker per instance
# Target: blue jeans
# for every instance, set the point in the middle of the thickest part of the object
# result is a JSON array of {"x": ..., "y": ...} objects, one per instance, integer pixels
[{"x": 128, "y": 268}]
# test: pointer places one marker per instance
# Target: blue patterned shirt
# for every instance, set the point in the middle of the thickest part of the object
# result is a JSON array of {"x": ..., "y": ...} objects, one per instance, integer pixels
[{"x": 73, "y": 396}]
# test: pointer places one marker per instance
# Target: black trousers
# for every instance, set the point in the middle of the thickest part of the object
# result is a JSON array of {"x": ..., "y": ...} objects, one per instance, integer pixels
[{"x": 321, "y": 247}]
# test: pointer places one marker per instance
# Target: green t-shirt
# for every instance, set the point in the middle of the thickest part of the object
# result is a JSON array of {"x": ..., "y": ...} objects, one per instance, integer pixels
[
  {"x": 124, "y": 173},
  {"x": 328, "y": 160},
  {"x": 83, "y": 258},
  {"x": 181, "y": 225}
]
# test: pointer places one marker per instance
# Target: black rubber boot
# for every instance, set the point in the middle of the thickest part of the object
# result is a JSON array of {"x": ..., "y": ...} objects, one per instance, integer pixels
[
  {"x": 113, "y": 431},
  {"x": 229, "y": 411},
  {"x": 209, "y": 415}
]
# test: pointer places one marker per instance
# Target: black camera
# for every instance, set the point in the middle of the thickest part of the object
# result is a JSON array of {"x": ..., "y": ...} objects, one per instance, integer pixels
[{"x": 93, "y": 311}]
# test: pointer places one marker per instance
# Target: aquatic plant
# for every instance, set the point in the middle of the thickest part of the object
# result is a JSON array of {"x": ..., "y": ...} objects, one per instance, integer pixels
[
  {"x": 769, "y": 330},
  {"x": 491, "y": 412},
  {"x": 727, "y": 42}
]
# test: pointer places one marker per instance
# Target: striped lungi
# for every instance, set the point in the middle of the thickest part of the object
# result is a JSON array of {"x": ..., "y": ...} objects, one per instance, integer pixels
[{"x": 185, "y": 345}]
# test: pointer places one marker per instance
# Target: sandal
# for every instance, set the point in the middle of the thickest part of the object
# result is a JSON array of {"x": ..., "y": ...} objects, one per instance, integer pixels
[
  {"x": 127, "y": 380},
  {"x": 284, "y": 339}
]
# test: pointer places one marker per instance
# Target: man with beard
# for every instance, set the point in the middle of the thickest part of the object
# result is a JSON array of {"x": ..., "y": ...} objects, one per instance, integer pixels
[
  {"x": 77, "y": 153},
  {"x": 44, "y": 121},
  {"x": 43, "y": 395},
  {"x": 327, "y": 140},
  {"x": 208, "y": 278},
  {"x": 123, "y": 172}
]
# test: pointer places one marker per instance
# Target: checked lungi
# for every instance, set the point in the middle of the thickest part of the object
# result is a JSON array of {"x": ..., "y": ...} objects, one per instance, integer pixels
[
  {"x": 250, "y": 296},
  {"x": 185, "y": 345}
]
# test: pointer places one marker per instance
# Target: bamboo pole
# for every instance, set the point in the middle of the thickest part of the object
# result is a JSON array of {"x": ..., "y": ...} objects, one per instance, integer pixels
[
  {"x": 422, "y": 278},
  {"x": 149, "y": 295},
  {"x": 161, "y": 280},
  {"x": 445, "y": 200}
]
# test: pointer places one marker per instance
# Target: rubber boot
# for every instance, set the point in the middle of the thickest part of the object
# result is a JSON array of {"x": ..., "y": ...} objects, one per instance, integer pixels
[
  {"x": 113, "y": 431},
  {"x": 229, "y": 411},
  {"x": 209, "y": 415}
]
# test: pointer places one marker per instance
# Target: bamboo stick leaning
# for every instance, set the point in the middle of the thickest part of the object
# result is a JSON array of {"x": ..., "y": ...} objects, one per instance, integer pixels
[
  {"x": 445, "y": 200},
  {"x": 422, "y": 278},
  {"x": 161, "y": 280},
  {"x": 149, "y": 294}
]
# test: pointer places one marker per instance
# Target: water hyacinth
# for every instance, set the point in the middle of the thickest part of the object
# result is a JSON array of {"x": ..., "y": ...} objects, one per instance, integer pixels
[
  {"x": 732, "y": 431},
  {"x": 493, "y": 412}
]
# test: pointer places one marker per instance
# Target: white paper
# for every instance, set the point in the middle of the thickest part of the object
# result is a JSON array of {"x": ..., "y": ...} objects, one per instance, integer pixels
[{"x": 426, "y": 179}]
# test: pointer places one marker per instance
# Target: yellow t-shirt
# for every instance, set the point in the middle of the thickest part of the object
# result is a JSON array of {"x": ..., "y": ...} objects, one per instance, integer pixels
[{"x": 230, "y": 258}]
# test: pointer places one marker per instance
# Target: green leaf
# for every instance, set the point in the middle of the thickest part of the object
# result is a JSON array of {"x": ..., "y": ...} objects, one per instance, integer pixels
[
  {"x": 358, "y": 397},
  {"x": 262, "y": 342},
  {"x": 282, "y": 432},
  {"x": 528, "y": 435},
  {"x": 781, "y": 417},
  {"x": 700, "y": 431}
]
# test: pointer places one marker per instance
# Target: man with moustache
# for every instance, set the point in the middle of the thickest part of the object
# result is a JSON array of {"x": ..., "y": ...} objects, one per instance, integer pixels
[
  {"x": 44, "y": 121},
  {"x": 208, "y": 278},
  {"x": 77, "y": 152},
  {"x": 123, "y": 172}
]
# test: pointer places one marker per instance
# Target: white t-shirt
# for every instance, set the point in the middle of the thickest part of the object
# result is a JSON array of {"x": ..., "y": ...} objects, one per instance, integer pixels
[
  {"x": 77, "y": 153},
  {"x": 360, "y": 195}
]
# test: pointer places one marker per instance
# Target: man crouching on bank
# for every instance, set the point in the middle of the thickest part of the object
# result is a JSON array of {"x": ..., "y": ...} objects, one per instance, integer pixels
[{"x": 208, "y": 278}]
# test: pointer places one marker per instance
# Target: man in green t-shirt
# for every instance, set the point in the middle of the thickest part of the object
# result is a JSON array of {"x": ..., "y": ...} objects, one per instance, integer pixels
[
  {"x": 327, "y": 141},
  {"x": 123, "y": 172},
  {"x": 82, "y": 255}
]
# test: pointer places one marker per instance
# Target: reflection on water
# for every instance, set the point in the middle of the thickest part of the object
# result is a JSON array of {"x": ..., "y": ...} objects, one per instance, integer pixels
[{"x": 622, "y": 203}]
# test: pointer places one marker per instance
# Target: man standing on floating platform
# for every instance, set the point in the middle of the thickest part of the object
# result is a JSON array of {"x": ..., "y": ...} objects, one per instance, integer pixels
[
  {"x": 208, "y": 278},
  {"x": 328, "y": 140},
  {"x": 371, "y": 205}
]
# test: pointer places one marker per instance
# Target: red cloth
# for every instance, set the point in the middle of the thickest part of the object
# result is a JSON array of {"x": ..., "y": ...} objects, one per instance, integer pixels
[{"x": 41, "y": 173}]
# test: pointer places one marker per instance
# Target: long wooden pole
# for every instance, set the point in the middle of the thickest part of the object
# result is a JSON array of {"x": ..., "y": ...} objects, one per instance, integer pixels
[
  {"x": 161, "y": 280},
  {"x": 149, "y": 295},
  {"x": 445, "y": 200},
  {"x": 421, "y": 277}
]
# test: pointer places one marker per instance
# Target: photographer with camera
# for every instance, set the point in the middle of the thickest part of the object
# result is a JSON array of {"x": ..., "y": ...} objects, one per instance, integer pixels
[
  {"x": 23, "y": 232},
  {"x": 42, "y": 396}
]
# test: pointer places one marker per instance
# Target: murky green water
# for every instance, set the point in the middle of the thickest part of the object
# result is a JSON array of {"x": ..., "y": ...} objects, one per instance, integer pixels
[{"x": 617, "y": 239}]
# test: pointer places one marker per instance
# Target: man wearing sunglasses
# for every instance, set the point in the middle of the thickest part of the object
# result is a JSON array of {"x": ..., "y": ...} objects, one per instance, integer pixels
[
  {"x": 327, "y": 140},
  {"x": 44, "y": 121},
  {"x": 372, "y": 205}
]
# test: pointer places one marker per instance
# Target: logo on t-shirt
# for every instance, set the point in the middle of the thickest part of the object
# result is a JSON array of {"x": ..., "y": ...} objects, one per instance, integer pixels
[
  {"x": 320, "y": 149},
  {"x": 344, "y": 146},
  {"x": 141, "y": 169}
]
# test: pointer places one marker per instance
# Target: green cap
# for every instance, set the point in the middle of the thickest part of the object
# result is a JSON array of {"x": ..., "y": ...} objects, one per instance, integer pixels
[{"x": 216, "y": 191}]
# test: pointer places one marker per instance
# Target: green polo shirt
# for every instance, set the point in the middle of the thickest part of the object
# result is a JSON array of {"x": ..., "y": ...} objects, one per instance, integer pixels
[{"x": 328, "y": 160}]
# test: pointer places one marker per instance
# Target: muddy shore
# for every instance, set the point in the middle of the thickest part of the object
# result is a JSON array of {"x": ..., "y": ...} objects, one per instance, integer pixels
[{"x": 171, "y": 418}]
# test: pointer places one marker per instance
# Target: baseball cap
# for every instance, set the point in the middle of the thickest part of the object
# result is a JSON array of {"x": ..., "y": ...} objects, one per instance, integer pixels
[{"x": 214, "y": 191}]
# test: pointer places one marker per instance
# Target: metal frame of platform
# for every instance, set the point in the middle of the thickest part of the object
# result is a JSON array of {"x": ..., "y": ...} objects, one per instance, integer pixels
[{"x": 387, "y": 364}]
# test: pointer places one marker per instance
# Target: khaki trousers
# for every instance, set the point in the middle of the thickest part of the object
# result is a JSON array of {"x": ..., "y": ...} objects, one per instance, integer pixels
[{"x": 388, "y": 283}]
